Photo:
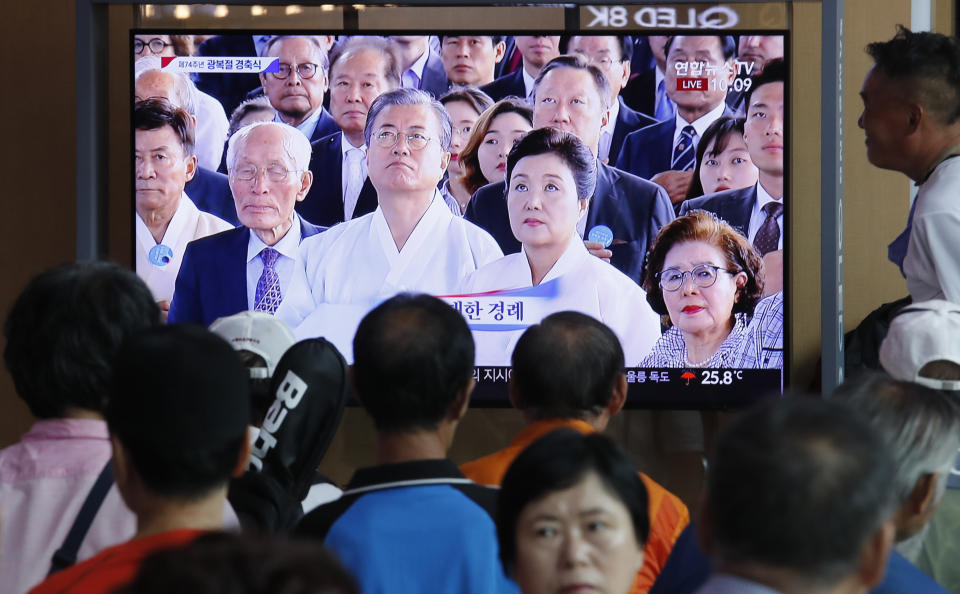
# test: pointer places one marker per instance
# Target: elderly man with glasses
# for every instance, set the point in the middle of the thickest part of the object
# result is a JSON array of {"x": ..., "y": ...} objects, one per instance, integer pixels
[
  {"x": 297, "y": 90},
  {"x": 411, "y": 242},
  {"x": 253, "y": 267}
]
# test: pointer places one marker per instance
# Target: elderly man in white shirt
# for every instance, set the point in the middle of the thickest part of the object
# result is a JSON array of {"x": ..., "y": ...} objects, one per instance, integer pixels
[
  {"x": 411, "y": 242},
  {"x": 166, "y": 218}
]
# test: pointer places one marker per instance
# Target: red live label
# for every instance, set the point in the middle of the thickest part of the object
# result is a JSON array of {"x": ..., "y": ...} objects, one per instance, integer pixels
[{"x": 691, "y": 84}]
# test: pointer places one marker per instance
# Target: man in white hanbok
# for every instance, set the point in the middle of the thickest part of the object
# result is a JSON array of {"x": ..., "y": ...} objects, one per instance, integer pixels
[
  {"x": 166, "y": 218},
  {"x": 411, "y": 242},
  {"x": 551, "y": 176}
]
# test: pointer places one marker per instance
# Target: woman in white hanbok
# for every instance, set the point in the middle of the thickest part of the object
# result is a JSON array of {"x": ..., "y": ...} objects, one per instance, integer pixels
[{"x": 551, "y": 176}]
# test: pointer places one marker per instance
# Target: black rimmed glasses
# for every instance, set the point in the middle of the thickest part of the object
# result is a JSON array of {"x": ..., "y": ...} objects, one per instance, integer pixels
[
  {"x": 156, "y": 45},
  {"x": 702, "y": 275},
  {"x": 306, "y": 71},
  {"x": 389, "y": 138}
]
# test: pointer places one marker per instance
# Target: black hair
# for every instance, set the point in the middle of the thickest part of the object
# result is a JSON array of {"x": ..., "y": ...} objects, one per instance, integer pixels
[
  {"x": 65, "y": 329},
  {"x": 413, "y": 354},
  {"x": 180, "y": 406},
  {"x": 624, "y": 43},
  {"x": 801, "y": 484},
  {"x": 558, "y": 461},
  {"x": 494, "y": 39},
  {"x": 224, "y": 563},
  {"x": 566, "y": 366},
  {"x": 930, "y": 61},
  {"x": 773, "y": 71},
  {"x": 728, "y": 46},
  {"x": 571, "y": 150},
  {"x": 155, "y": 113},
  {"x": 721, "y": 129}
]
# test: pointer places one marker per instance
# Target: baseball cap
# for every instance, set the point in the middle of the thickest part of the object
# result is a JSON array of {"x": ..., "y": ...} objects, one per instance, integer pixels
[
  {"x": 257, "y": 332},
  {"x": 921, "y": 333}
]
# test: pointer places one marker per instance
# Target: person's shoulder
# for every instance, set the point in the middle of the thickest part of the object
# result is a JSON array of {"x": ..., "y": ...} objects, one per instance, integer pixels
[
  {"x": 326, "y": 143},
  {"x": 210, "y": 224},
  {"x": 317, "y": 523},
  {"x": 636, "y": 183},
  {"x": 712, "y": 201},
  {"x": 489, "y": 277},
  {"x": 217, "y": 242}
]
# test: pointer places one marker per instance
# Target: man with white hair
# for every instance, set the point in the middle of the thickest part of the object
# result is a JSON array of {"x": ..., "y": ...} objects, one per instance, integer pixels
[
  {"x": 922, "y": 347},
  {"x": 411, "y": 242},
  {"x": 208, "y": 189},
  {"x": 922, "y": 429},
  {"x": 252, "y": 267}
]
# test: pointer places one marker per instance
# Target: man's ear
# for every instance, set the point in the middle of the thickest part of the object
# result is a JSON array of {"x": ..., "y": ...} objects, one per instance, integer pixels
[
  {"x": 498, "y": 52},
  {"x": 916, "y": 114},
  {"x": 120, "y": 461},
  {"x": 459, "y": 407},
  {"x": 876, "y": 551},
  {"x": 243, "y": 457},
  {"x": 190, "y": 162},
  {"x": 619, "y": 396},
  {"x": 306, "y": 180},
  {"x": 924, "y": 494}
]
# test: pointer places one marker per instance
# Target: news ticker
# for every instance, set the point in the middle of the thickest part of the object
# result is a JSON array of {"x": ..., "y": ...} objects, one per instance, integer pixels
[{"x": 649, "y": 387}]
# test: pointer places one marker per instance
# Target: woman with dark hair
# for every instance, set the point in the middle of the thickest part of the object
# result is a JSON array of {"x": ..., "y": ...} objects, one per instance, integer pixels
[
  {"x": 572, "y": 515},
  {"x": 716, "y": 316},
  {"x": 464, "y": 105},
  {"x": 723, "y": 162},
  {"x": 484, "y": 158},
  {"x": 552, "y": 176}
]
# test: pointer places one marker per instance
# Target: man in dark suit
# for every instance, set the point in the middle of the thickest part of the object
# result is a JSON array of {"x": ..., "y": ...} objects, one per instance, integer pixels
[
  {"x": 229, "y": 89},
  {"x": 420, "y": 67},
  {"x": 536, "y": 52},
  {"x": 472, "y": 59},
  {"x": 251, "y": 267},
  {"x": 758, "y": 211},
  {"x": 296, "y": 92},
  {"x": 612, "y": 55},
  {"x": 665, "y": 152},
  {"x": 646, "y": 92},
  {"x": 360, "y": 71},
  {"x": 632, "y": 208}
]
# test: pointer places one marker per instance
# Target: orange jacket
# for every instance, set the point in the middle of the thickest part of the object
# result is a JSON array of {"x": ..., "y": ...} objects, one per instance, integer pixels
[{"x": 668, "y": 515}]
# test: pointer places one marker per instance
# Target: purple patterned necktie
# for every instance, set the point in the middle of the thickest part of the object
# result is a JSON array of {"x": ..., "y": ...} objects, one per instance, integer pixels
[
  {"x": 268, "y": 297},
  {"x": 767, "y": 238}
]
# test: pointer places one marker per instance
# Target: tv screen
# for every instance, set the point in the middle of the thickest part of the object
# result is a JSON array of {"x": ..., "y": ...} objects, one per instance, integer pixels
[{"x": 658, "y": 208}]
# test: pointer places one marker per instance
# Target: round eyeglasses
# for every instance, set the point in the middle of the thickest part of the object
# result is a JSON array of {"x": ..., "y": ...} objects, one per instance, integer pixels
[
  {"x": 307, "y": 70},
  {"x": 156, "y": 45},
  {"x": 389, "y": 139},
  {"x": 702, "y": 275}
]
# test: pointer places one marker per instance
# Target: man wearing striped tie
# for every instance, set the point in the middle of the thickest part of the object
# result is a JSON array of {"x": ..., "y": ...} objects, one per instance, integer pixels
[
  {"x": 251, "y": 267},
  {"x": 758, "y": 211},
  {"x": 698, "y": 73}
]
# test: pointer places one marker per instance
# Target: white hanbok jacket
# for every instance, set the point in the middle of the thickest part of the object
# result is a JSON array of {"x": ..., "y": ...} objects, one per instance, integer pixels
[
  {"x": 585, "y": 284},
  {"x": 353, "y": 266}
]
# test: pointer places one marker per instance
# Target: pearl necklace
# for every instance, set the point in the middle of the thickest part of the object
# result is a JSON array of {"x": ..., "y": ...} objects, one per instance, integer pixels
[{"x": 688, "y": 363}]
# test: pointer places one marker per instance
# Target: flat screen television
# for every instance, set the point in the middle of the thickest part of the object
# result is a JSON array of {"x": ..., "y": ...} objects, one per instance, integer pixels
[{"x": 498, "y": 314}]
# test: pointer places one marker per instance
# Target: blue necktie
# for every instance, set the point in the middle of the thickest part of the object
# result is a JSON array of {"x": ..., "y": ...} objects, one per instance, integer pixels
[
  {"x": 684, "y": 154},
  {"x": 665, "y": 108},
  {"x": 268, "y": 296}
]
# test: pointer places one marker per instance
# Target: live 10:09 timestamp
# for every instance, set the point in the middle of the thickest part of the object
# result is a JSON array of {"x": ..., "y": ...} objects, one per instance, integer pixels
[{"x": 739, "y": 85}]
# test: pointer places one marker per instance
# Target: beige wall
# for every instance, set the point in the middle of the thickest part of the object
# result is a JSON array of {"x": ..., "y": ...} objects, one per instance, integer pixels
[{"x": 38, "y": 160}]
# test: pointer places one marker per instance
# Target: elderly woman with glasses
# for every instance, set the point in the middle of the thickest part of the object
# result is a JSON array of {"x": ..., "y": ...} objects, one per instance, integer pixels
[{"x": 708, "y": 280}]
